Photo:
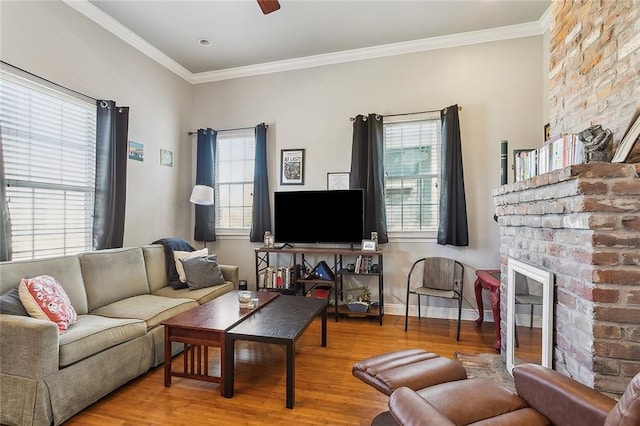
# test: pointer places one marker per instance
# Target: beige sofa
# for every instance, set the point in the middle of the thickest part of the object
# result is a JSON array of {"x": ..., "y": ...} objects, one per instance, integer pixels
[{"x": 121, "y": 297}]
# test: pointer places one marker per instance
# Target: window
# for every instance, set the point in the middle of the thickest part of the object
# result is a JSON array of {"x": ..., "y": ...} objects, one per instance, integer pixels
[
  {"x": 48, "y": 139},
  {"x": 412, "y": 173},
  {"x": 235, "y": 158}
]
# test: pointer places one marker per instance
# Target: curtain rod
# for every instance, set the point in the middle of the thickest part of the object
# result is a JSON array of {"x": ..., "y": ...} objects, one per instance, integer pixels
[
  {"x": 228, "y": 130},
  {"x": 410, "y": 113},
  {"x": 48, "y": 81}
]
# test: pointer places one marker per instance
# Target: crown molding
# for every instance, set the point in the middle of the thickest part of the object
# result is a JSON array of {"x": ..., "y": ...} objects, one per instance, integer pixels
[
  {"x": 116, "y": 28},
  {"x": 455, "y": 40}
]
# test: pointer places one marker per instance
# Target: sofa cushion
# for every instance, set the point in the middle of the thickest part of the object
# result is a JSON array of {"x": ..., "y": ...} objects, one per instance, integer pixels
[
  {"x": 44, "y": 298},
  {"x": 92, "y": 334},
  {"x": 112, "y": 275},
  {"x": 10, "y": 304},
  {"x": 181, "y": 255},
  {"x": 147, "y": 307},
  {"x": 66, "y": 269},
  {"x": 202, "y": 272},
  {"x": 201, "y": 295},
  {"x": 156, "y": 266}
]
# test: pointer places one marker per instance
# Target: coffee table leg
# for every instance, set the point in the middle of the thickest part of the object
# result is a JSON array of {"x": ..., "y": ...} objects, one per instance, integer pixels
[
  {"x": 167, "y": 356},
  {"x": 229, "y": 367},
  {"x": 291, "y": 374}
]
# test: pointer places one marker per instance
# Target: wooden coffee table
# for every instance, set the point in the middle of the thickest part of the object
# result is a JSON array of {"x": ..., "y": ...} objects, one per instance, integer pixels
[
  {"x": 281, "y": 321},
  {"x": 204, "y": 327}
]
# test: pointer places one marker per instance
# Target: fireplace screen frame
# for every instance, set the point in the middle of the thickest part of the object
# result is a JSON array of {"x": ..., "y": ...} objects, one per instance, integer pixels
[{"x": 546, "y": 278}]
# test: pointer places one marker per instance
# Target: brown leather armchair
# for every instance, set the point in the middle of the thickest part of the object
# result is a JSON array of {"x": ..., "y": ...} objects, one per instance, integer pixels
[{"x": 544, "y": 397}]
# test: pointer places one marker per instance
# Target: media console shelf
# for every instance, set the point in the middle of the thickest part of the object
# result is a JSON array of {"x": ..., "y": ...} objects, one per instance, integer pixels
[{"x": 289, "y": 279}]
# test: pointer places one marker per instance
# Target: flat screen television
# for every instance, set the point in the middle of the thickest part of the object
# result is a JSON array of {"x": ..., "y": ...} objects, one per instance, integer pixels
[{"x": 332, "y": 216}]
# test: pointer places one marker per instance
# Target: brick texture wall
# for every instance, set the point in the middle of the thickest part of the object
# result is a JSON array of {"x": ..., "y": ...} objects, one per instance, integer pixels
[
  {"x": 594, "y": 66},
  {"x": 583, "y": 224}
]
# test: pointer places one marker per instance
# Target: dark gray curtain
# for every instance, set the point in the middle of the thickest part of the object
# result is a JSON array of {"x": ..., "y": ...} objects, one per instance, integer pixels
[
  {"x": 205, "y": 229},
  {"x": 5, "y": 219},
  {"x": 452, "y": 227},
  {"x": 111, "y": 175},
  {"x": 367, "y": 172},
  {"x": 261, "y": 211}
]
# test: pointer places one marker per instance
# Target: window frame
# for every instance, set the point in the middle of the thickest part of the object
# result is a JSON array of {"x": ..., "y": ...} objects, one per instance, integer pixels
[
  {"x": 67, "y": 184},
  {"x": 426, "y": 235},
  {"x": 232, "y": 136}
]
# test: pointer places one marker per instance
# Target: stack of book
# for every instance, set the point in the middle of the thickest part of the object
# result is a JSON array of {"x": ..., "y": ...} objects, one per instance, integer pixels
[
  {"x": 276, "y": 278},
  {"x": 363, "y": 264},
  {"x": 555, "y": 154}
]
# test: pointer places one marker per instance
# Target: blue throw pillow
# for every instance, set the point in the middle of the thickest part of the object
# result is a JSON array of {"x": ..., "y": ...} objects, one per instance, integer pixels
[
  {"x": 202, "y": 272},
  {"x": 10, "y": 304}
]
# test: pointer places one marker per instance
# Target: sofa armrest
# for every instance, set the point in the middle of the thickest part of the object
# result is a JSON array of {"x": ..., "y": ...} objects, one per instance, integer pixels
[
  {"x": 29, "y": 347},
  {"x": 559, "y": 398},
  {"x": 231, "y": 273},
  {"x": 408, "y": 408}
]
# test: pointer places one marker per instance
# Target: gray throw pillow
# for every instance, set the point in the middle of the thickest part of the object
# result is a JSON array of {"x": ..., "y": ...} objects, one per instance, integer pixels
[
  {"x": 202, "y": 271},
  {"x": 10, "y": 304}
]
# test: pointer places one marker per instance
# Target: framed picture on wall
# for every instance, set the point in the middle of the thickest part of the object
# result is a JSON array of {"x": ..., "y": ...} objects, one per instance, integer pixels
[
  {"x": 292, "y": 167},
  {"x": 338, "y": 180}
]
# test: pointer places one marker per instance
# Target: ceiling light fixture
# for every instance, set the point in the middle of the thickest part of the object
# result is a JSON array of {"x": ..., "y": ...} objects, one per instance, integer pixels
[{"x": 204, "y": 42}]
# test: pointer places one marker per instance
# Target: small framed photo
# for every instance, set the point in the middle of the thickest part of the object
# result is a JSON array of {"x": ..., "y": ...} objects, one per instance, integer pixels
[
  {"x": 292, "y": 167},
  {"x": 338, "y": 180},
  {"x": 166, "y": 158},
  {"x": 547, "y": 132},
  {"x": 369, "y": 245}
]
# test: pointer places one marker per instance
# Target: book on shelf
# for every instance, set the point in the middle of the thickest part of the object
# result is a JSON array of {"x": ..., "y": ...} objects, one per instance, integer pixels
[{"x": 556, "y": 153}]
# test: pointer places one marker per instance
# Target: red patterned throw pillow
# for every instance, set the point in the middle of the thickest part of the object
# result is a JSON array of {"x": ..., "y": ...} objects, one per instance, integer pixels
[{"x": 44, "y": 298}]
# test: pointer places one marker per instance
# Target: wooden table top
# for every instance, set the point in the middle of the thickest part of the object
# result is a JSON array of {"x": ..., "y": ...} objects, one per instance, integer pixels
[
  {"x": 283, "y": 319},
  {"x": 221, "y": 313}
]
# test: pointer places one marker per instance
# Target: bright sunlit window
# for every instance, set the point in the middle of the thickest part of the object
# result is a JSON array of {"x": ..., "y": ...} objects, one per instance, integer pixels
[
  {"x": 49, "y": 143},
  {"x": 235, "y": 158},
  {"x": 412, "y": 172}
]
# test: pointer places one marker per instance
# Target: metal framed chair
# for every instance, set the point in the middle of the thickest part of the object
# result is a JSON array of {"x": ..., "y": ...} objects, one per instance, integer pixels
[
  {"x": 528, "y": 293},
  {"x": 441, "y": 277}
]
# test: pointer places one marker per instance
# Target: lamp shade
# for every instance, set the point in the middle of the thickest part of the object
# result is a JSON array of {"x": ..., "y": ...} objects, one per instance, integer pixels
[{"x": 202, "y": 195}]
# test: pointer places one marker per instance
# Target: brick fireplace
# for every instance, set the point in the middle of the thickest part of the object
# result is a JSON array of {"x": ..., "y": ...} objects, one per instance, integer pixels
[{"x": 582, "y": 223}]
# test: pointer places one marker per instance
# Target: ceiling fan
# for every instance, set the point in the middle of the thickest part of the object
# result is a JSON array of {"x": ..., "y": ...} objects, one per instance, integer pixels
[{"x": 268, "y": 6}]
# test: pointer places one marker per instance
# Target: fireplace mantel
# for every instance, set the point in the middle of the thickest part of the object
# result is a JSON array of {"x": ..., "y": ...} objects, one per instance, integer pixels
[{"x": 581, "y": 223}]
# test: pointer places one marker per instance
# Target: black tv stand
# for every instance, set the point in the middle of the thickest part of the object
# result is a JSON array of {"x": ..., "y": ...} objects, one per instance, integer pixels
[
  {"x": 296, "y": 282},
  {"x": 285, "y": 245}
]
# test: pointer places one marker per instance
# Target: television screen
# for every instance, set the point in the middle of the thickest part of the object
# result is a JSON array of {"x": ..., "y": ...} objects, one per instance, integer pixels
[{"x": 335, "y": 216}]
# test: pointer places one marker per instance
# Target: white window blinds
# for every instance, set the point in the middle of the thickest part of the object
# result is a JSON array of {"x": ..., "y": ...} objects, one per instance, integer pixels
[
  {"x": 48, "y": 139},
  {"x": 412, "y": 173},
  {"x": 235, "y": 159}
]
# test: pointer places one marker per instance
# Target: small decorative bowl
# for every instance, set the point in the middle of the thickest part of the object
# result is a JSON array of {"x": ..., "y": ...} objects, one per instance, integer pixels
[{"x": 244, "y": 297}]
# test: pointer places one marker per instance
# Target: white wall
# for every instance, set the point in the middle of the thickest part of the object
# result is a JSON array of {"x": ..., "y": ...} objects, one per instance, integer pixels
[
  {"x": 52, "y": 40},
  {"x": 498, "y": 84}
]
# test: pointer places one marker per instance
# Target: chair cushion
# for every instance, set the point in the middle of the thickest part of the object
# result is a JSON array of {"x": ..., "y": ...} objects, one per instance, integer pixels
[
  {"x": 481, "y": 399},
  {"x": 413, "y": 368}
]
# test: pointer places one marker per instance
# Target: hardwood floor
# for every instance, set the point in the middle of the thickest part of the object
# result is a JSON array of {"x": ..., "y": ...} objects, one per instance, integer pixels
[{"x": 326, "y": 392}]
